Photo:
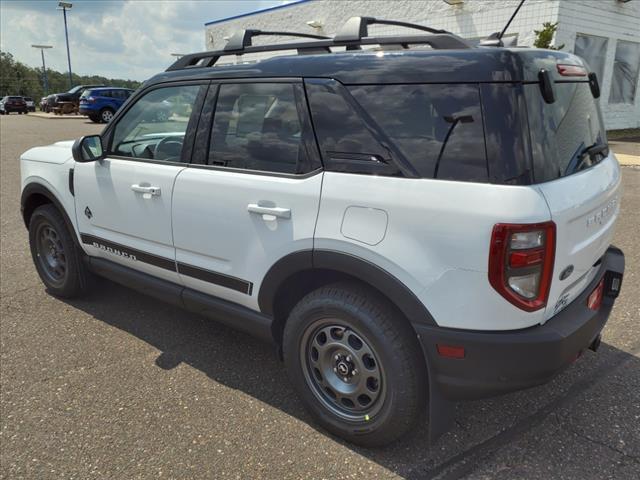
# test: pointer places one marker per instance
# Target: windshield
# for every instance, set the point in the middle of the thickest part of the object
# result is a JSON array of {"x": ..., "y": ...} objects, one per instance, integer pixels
[
  {"x": 561, "y": 131},
  {"x": 75, "y": 89}
]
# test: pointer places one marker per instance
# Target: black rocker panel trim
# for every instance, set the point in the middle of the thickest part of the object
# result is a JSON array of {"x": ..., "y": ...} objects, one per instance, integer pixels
[
  {"x": 231, "y": 314},
  {"x": 216, "y": 278},
  {"x": 221, "y": 279}
]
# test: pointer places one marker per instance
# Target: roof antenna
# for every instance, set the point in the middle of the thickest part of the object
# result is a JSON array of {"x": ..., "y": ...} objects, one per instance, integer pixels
[{"x": 495, "y": 39}]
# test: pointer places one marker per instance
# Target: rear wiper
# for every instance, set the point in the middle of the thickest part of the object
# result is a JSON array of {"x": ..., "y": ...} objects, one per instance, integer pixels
[{"x": 587, "y": 152}]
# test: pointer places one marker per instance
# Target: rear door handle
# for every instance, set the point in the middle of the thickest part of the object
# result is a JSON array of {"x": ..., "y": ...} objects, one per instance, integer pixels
[
  {"x": 275, "y": 211},
  {"x": 147, "y": 191}
]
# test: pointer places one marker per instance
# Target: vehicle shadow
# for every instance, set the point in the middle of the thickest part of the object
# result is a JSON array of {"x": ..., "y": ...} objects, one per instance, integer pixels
[{"x": 241, "y": 362}]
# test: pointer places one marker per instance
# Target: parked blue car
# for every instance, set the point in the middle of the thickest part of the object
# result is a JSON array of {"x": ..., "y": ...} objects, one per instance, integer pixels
[{"x": 100, "y": 104}]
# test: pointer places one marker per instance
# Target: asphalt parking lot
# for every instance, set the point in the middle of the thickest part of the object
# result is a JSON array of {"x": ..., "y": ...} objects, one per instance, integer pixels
[{"x": 117, "y": 385}]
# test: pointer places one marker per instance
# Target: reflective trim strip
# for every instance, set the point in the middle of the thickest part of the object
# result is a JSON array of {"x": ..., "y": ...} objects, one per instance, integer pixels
[{"x": 135, "y": 255}]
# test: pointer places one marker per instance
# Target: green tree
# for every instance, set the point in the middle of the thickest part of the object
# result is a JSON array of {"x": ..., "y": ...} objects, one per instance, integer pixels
[
  {"x": 16, "y": 78},
  {"x": 544, "y": 37}
]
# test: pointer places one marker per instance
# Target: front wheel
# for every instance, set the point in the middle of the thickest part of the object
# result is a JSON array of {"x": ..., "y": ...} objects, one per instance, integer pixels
[
  {"x": 355, "y": 363},
  {"x": 55, "y": 254}
]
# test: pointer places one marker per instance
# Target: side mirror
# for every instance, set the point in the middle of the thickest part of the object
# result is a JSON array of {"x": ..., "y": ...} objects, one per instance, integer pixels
[{"x": 88, "y": 149}]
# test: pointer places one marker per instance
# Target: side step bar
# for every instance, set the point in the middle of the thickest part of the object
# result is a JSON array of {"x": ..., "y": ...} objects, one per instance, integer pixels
[{"x": 228, "y": 313}]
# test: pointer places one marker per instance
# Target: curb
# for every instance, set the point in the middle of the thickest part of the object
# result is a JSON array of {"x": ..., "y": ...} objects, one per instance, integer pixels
[
  {"x": 49, "y": 116},
  {"x": 624, "y": 159}
]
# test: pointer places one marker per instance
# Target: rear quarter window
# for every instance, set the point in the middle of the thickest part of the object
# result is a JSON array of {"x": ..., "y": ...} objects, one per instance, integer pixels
[{"x": 438, "y": 129}]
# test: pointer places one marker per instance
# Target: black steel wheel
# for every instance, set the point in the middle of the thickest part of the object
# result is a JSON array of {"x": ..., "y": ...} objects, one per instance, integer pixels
[
  {"x": 342, "y": 370},
  {"x": 55, "y": 255},
  {"x": 50, "y": 253},
  {"x": 356, "y": 363}
]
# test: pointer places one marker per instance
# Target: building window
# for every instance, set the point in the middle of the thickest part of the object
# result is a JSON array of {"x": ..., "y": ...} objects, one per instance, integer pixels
[
  {"x": 625, "y": 72},
  {"x": 594, "y": 51}
]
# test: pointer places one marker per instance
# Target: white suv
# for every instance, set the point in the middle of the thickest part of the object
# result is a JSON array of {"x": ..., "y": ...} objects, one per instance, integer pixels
[{"x": 408, "y": 226}]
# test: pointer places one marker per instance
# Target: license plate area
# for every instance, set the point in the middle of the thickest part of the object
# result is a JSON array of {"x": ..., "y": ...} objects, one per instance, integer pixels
[{"x": 612, "y": 284}]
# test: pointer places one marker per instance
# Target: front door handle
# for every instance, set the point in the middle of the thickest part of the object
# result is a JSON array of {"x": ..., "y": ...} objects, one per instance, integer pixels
[
  {"x": 275, "y": 211},
  {"x": 148, "y": 191}
]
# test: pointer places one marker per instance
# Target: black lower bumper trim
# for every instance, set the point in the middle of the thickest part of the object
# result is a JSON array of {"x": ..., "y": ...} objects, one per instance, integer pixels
[{"x": 500, "y": 362}]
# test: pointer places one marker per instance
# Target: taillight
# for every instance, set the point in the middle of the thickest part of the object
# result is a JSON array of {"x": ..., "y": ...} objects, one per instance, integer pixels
[{"x": 521, "y": 262}]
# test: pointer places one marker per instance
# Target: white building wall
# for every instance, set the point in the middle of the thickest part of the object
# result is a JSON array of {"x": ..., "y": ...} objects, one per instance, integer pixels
[
  {"x": 471, "y": 19},
  {"x": 613, "y": 20}
]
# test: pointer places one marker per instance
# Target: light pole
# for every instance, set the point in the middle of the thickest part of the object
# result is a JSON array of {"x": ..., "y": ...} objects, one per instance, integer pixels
[
  {"x": 64, "y": 6},
  {"x": 44, "y": 67}
]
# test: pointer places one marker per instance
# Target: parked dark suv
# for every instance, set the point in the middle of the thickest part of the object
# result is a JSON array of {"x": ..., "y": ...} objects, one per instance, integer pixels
[
  {"x": 13, "y": 104},
  {"x": 72, "y": 95},
  {"x": 101, "y": 104},
  {"x": 411, "y": 220}
]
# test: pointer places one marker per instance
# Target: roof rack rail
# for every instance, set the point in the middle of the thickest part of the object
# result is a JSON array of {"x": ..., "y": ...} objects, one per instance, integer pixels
[
  {"x": 356, "y": 28},
  {"x": 242, "y": 38},
  {"x": 240, "y": 43}
]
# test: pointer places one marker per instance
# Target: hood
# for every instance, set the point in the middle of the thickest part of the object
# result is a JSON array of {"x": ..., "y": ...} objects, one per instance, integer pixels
[{"x": 59, "y": 152}]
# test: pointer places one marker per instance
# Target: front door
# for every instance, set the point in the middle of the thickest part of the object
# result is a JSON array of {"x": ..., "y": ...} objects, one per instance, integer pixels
[
  {"x": 254, "y": 196},
  {"x": 123, "y": 203}
]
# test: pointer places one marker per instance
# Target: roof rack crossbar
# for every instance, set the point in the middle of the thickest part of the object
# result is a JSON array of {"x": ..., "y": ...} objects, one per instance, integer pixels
[
  {"x": 357, "y": 28},
  {"x": 436, "y": 41},
  {"x": 242, "y": 38}
]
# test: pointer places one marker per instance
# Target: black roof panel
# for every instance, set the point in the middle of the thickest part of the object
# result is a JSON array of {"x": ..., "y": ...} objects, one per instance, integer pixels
[{"x": 392, "y": 66}]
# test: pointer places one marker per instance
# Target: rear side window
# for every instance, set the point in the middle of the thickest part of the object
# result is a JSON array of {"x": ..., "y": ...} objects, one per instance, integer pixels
[
  {"x": 436, "y": 128},
  {"x": 259, "y": 127}
]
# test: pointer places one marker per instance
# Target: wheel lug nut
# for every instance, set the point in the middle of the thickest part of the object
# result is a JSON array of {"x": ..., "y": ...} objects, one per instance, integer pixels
[
  {"x": 336, "y": 358},
  {"x": 348, "y": 358},
  {"x": 355, "y": 370},
  {"x": 345, "y": 379},
  {"x": 335, "y": 369}
]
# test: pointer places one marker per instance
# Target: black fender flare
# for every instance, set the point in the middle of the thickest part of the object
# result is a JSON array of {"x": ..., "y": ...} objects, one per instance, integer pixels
[
  {"x": 403, "y": 298},
  {"x": 39, "y": 189}
]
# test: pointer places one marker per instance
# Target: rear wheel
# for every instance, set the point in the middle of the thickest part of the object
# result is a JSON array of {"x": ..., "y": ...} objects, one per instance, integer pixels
[
  {"x": 106, "y": 115},
  {"x": 355, "y": 363},
  {"x": 94, "y": 119},
  {"x": 55, "y": 255}
]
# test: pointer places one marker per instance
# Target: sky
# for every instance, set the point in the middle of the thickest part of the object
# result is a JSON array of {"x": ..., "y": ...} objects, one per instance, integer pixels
[{"x": 129, "y": 39}]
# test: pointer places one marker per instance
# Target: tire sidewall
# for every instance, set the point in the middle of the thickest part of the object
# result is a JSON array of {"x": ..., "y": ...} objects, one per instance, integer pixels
[
  {"x": 72, "y": 282},
  {"x": 382, "y": 424}
]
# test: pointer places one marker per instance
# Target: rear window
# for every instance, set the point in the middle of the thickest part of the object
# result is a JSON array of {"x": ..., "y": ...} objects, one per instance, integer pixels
[
  {"x": 438, "y": 129},
  {"x": 16, "y": 99},
  {"x": 562, "y": 130}
]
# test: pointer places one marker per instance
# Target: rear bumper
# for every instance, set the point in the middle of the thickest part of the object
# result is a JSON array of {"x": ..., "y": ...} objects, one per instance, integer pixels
[
  {"x": 500, "y": 362},
  {"x": 85, "y": 110},
  {"x": 14, "y": 108}
]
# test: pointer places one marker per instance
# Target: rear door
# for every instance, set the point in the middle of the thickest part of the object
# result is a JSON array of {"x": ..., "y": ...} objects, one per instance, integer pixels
[
  {"x": 253, "y": 194},
  {"x": 584, "y": 200}
]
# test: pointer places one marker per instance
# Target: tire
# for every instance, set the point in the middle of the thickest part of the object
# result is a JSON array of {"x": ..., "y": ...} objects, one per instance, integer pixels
[
  {"x": 94, "y": 119},
  {"x": 55, "y": 255},
  {"x": 106, "y": 115},
  {"x": 346, "y": 331}
]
